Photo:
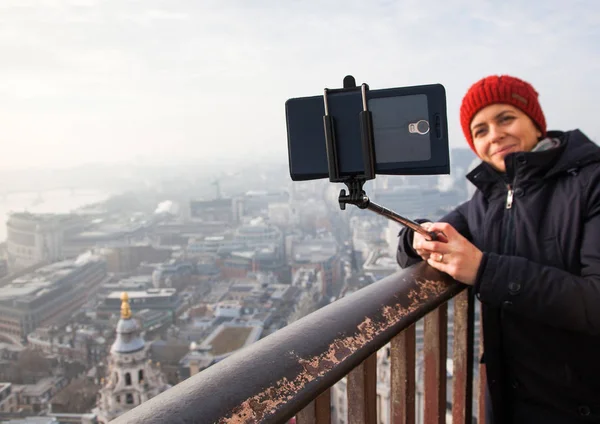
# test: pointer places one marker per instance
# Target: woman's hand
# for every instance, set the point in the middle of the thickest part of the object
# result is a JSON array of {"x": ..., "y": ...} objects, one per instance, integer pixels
[
  {"x": 418, "y": 239},
  {"x": 452, "y": 254}
]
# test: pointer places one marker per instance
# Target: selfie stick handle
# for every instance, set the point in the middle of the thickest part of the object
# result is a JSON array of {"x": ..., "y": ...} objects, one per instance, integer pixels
[
  {"x": 356, "y": 195},
  {"x": 385, "y": 212},
  {"x": 359, "y": 198}
]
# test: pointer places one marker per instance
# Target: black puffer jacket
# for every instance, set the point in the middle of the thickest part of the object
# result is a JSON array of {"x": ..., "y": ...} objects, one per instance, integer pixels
[{"x": 539, "y": 281}]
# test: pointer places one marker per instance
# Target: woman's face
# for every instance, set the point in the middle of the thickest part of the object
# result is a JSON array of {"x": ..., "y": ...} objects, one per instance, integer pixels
[{"x": 500, "y": 129}]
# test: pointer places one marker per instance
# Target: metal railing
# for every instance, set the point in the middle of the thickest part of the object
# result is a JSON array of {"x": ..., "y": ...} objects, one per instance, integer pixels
[{"x": 290, "y": 372}]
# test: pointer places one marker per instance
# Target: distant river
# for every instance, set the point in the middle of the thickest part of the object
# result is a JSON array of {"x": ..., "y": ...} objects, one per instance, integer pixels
[{"x": 52, "y": 201}]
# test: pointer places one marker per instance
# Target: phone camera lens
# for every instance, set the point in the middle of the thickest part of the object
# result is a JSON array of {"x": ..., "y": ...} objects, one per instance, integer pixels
[{"x": 420, "y": 127}]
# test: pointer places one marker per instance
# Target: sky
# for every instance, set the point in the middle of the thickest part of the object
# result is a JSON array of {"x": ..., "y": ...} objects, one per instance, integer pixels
[{"x": 155, "y": 81}]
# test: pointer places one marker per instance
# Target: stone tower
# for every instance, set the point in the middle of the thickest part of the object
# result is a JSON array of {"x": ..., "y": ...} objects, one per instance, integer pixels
[{"x": 131, "y": 378}]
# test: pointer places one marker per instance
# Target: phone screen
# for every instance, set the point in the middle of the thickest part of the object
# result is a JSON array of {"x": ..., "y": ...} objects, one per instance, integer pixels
[{"x": 401, "y": 128}]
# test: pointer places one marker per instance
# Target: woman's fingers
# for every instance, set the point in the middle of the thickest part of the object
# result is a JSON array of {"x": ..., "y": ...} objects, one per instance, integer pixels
[
  {"x": 443, "y": 227},
  {"x": 423, "y": 254},
  {"x": 441, "y": 237},
  {"x": 433, "y": 246}
]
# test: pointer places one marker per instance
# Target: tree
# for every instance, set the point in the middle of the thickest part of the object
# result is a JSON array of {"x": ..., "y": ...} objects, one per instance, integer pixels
[
  {"x": 77, "y": 398},
  {"x": 31, "y": 366}
]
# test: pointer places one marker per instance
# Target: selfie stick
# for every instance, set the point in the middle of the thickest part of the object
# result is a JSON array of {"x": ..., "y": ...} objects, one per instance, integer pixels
[{"x": 357, "y": 195}]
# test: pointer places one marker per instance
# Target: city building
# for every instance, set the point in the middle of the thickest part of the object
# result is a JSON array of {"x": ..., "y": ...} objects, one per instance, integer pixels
[
  {"x": 216, "y": 210},
  {"x": 131, "y": 377},
  {"x": 380, "y": 263},
  {"x": 366, "y": 233},
  {"x": 36, "y": 398},
  {"x": 212, "y": 244},
  {"x": 226, "y": 339},
  {"x": 152, "y": 320},
  {"x": 134, "y": 283},
  {"x": 309, "y": 296},
  {"x": 127, "y": 258},
  {"x": 174, "y": 273},
  {"x": 243, "y": 262},
  {"x": 257, "y": 233},
  {"x": 179, "y": 233},
  {"x": 84, "y": 344},
  {"x": 49, "y": 295},
  {"x": 257, "y": 202},
  {"x": 207, "y": 268},
  {"x": 3, "y": 267},
  {"x": 36, "y": 420},
  {"x": 165, "y": 299},
  {"x": 321, "y": 255},
  {"x": 280, "y": 214},
  {"x": 101, "y": 233},
  {"x": 35, "y": 238},
  {"x": 8, "y": 400}
]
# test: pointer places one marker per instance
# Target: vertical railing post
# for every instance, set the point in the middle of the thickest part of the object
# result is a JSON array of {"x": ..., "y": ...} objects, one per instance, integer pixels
[
  {"x": 435, "y": 348},
  {"x": 318, "y": 411},
  {"x": 462, "y": 364},
  {"x": 482, "y": 383},
  {"x": 362, "y": 392},
  {"x": 402, "y": 358}
]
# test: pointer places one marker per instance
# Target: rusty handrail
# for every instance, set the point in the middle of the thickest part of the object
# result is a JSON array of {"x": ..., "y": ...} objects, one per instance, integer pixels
[{"x": 274, "y": 378}]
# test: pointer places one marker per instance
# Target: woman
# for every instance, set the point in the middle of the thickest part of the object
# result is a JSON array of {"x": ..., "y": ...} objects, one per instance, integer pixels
[{"x": 528, "y": 241}]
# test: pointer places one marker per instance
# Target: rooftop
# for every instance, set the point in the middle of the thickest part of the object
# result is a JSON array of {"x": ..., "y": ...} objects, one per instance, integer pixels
[
  {"x": 38, "y": 389},
  {"x": 135, "y": 282},
  {"x": 32, "y": 420},
  {"x": 314, "y": 251},
  {"x": 42, "y": 217},
  {"x": 148, "y": 293},
  {"x": 229, "y": 337},
  {"x": 107, "y": 231},
  {"x": 380, "y": 260},
  {"x": 43, "y": 279}
]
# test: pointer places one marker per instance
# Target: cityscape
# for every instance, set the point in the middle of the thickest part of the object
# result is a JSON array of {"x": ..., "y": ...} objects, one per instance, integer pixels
[
  {"x": 158, "y": 263},
  {"x": 112, "y": 303}
]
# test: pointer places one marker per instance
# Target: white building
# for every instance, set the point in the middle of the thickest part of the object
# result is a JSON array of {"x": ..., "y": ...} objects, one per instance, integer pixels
[
  {"x": 280, "y": 214},
  {"x": 35, "y": 238},
  {"x": 366, "y": 233},
  {"x": 131, "y": 378}
]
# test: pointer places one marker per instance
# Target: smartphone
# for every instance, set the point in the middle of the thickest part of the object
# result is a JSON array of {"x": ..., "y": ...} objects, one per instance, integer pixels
[{"x": 410, "y": 132}]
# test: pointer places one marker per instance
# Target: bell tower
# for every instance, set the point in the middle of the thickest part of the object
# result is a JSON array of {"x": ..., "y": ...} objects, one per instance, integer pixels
[{"x": 131, "y": 378}]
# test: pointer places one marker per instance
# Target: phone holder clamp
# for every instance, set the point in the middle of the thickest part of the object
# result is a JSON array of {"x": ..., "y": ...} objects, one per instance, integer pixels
[{"x": 356, "y": 195}]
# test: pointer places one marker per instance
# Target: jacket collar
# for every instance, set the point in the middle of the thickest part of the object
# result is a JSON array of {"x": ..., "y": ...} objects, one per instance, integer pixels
[{"x": 574, "y": 151}]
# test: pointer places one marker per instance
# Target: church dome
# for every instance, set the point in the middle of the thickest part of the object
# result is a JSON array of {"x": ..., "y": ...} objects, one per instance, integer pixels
[{"x": 128, "y": 331}]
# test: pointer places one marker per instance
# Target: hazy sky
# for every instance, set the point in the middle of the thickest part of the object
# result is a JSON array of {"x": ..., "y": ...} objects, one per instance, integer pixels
[{"x": 91, "y": 80}]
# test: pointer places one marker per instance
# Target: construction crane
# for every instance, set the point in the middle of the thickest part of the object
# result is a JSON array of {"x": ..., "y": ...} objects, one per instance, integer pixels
[{"x": 217, "y": 183}]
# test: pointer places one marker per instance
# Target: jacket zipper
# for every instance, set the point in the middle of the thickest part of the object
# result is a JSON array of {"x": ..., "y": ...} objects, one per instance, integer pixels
[
  {"x": 508, "y": 229},
  {"x": 509, "y": 222},
  {"x": 509, "y": 197}
]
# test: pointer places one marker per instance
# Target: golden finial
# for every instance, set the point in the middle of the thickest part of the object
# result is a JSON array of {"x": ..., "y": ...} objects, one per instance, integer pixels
[{"x": 125, "y": 309}]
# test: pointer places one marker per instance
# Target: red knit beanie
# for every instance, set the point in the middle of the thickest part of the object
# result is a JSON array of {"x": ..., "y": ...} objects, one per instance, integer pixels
[{"x": 500, "y": 89}]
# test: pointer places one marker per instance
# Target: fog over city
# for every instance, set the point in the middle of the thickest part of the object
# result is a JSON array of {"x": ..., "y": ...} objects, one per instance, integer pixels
[{"x": 86, "y": 81}]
